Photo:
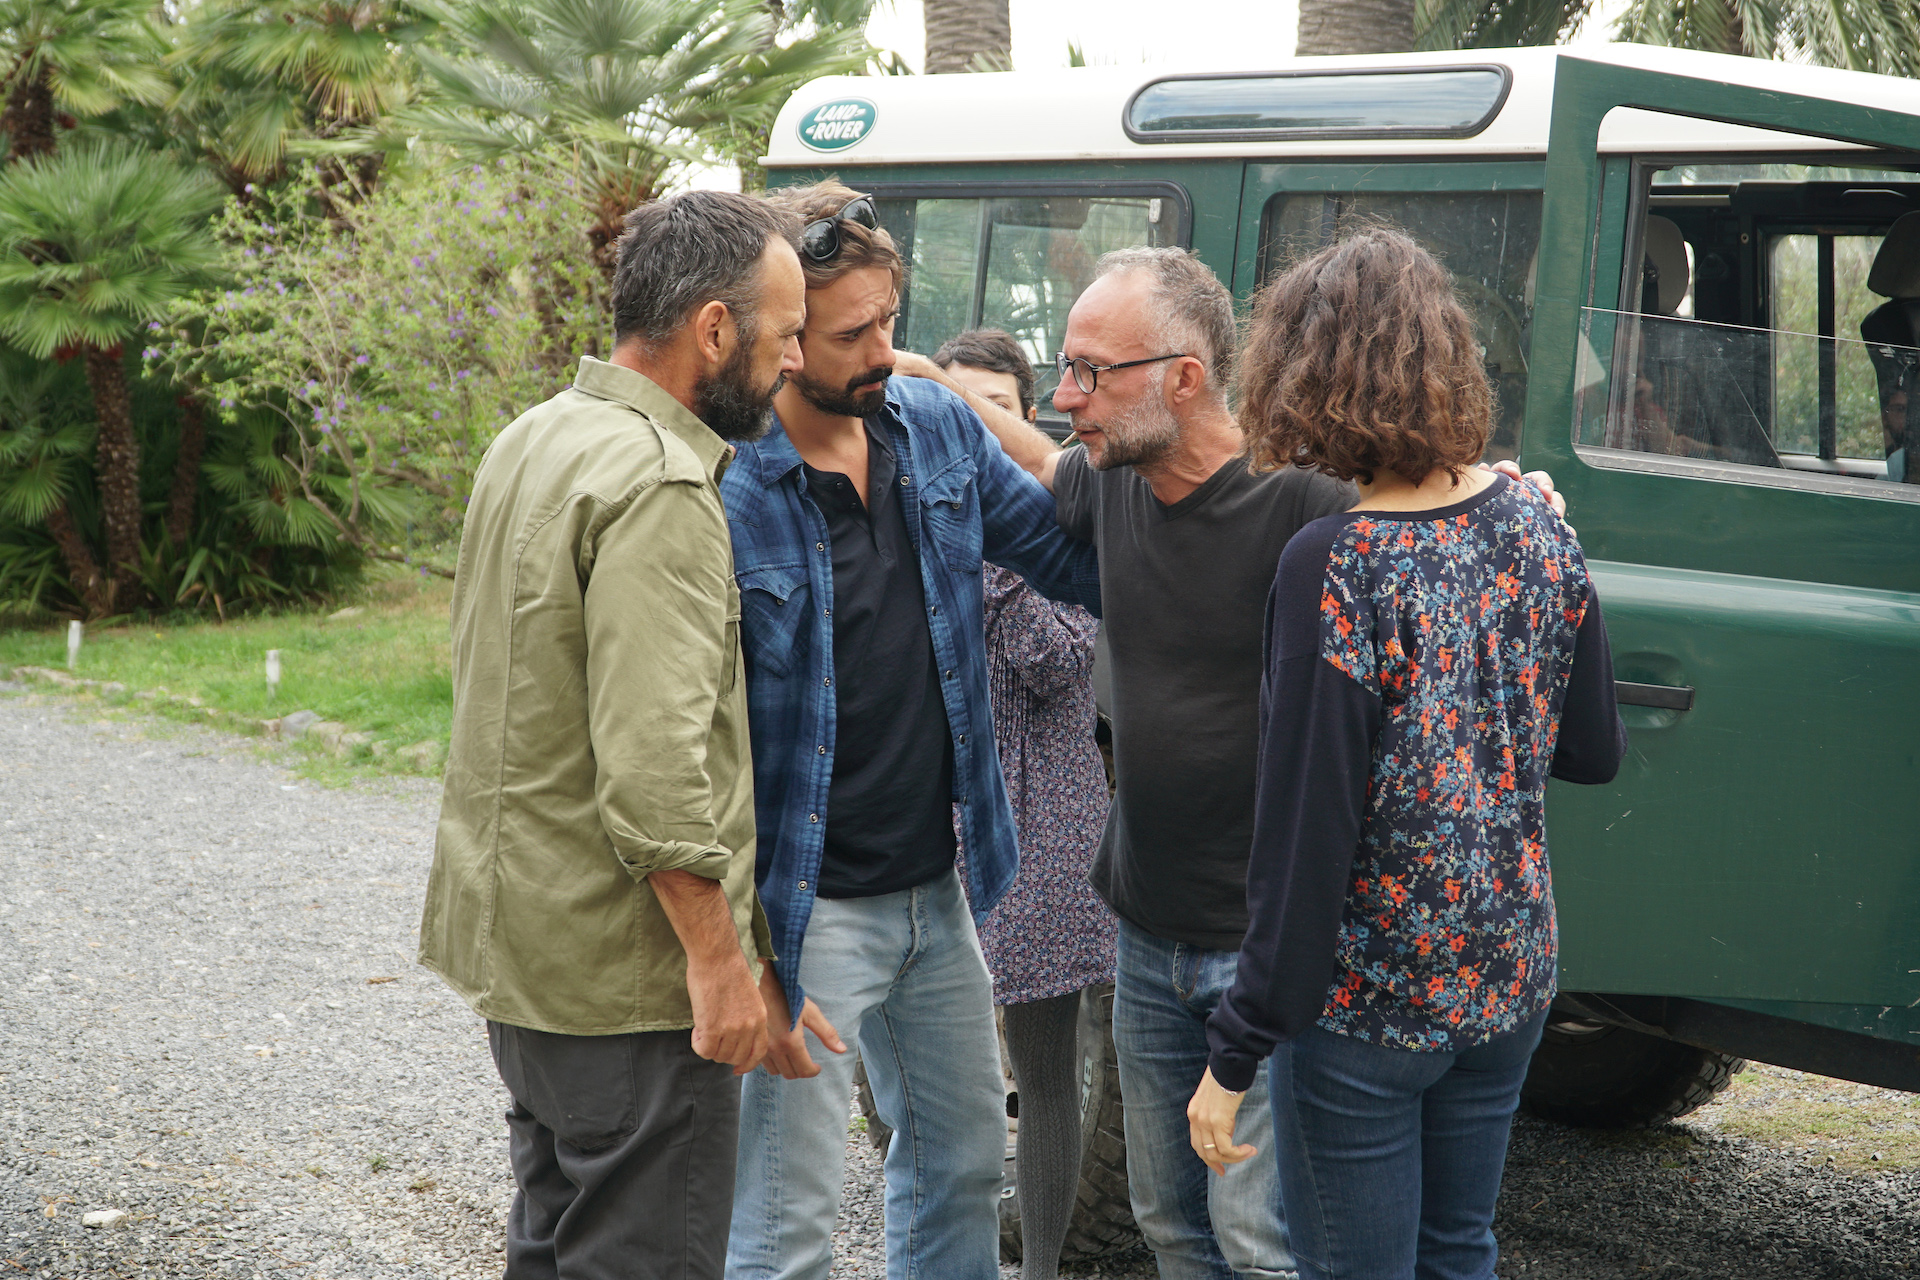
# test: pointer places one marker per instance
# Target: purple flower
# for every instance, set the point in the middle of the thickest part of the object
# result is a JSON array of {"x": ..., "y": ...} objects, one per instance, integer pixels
[
  {"x": 492, "y": 310},
  {"x": 436, "y": 415},
  {"x": 360, "y": 359}
]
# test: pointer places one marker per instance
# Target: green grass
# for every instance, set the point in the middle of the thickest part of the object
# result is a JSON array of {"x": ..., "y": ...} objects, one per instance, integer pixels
[
  {"x": 1854, "y": 1126},
  {"x": 384, "y": 671}
]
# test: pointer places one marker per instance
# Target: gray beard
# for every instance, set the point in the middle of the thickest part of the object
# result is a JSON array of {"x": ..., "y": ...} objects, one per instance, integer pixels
[{"x": 1138, "y": 437}]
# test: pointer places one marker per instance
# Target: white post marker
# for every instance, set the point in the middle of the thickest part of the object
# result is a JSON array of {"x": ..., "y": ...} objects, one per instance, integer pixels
[
  {"x": 273, "y": 672},
  {"x": 76, "y": 632}
]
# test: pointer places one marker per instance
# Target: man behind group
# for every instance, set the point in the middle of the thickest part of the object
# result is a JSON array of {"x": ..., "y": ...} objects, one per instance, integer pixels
[
  {"x": 592, "y": 886},
  {"x": 1188, "y": 542},
  {"x": 859, "y": 526}
]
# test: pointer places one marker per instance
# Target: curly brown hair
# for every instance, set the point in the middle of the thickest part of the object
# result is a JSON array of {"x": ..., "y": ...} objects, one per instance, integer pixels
[{"x": 1361, "y": 359}]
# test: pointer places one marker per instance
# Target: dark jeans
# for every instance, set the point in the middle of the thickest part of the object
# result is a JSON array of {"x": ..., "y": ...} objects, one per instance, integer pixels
[
  {"x": 1390, "y": 1160},
  {"x": 623, "y": 1150}
]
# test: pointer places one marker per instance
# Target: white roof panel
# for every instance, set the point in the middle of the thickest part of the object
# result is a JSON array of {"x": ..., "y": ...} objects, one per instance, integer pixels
[{"x": 1075, "y": 113}]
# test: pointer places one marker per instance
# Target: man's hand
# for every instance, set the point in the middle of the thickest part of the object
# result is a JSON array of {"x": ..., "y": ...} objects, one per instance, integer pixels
[
  {"x": 787, "y": 1055},
  {"x": 729, "y": 1020},
  {"x": 1210, "y": 1117},
  {"x": 1538, "y": 479},
  {"x": 912, "y": 364}
]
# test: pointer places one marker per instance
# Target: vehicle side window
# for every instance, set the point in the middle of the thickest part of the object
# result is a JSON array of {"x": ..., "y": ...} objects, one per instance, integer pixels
[
  {"x": 1770, "y": 324},
  {"x": 1490, "y": 240},
  {"x": 1013, "y": 263}
]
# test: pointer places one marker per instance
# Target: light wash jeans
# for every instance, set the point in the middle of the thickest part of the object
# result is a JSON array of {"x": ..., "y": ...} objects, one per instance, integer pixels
[
  {"x": 1393, "y": 1158},
  {"x": 903, "y": 974},
  {"x": 1200, "y": 1227}
]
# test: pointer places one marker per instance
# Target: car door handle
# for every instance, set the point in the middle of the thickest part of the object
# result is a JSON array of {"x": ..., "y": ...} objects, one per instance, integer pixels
[{"x": 1669, "y": 697}]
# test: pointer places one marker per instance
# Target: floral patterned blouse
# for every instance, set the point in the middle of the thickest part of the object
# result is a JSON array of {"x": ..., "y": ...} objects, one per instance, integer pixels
[
  {"x": 1051, "y": 935},
  {"x": 1426, "y": 672}
]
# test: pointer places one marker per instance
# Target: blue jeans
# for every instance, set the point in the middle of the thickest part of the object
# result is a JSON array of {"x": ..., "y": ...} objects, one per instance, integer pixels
[
  {"x": 1391, "y": 1159},
  {"x": 1199, "y": 1227},
  {"x": 901, "y": 975}
]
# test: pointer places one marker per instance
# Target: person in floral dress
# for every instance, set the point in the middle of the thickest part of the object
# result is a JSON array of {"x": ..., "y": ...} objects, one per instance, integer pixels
[{"x": 1051, "y": 936}]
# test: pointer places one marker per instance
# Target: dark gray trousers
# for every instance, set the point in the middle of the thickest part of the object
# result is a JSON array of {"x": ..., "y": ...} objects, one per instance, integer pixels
[{"x": 623, "y": 1152}]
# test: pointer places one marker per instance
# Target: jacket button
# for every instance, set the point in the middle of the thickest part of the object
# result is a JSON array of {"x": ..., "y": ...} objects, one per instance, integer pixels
[
  {"x": 828, "y": 682},
  {"x": 963, "y": 739},
  {"x": 821, "y": 750},
  {"x": 813, "y": 817},
  {"x": 819, "y": 546},
  {"x": 948, "y": 673},
  {"x": 828, "y": 612},
  {"x": 803, "y": 884},
  {"x": 906, "y": 480},
  {"x": 934, "y": 609}
]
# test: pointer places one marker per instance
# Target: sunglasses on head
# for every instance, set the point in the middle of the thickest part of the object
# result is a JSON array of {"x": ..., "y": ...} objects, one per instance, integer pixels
[{"x": 820, "y": 239}]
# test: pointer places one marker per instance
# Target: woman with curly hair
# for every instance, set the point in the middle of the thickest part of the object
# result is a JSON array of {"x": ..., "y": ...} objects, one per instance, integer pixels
[{"x": 1433, "y": 655}]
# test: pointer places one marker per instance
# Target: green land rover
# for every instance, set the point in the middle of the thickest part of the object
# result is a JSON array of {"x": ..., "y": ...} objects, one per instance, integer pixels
[{"x": 1696, "y": 279}]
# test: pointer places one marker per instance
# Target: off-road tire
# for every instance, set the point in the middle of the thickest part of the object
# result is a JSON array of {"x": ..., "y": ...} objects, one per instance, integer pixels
[
  {"x": 1596, "y": 1076},
  {"x": 1102, "y": 1213}
]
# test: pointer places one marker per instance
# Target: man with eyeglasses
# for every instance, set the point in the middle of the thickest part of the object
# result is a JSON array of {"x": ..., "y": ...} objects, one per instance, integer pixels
[
  {"x": 1189, "y": 541},
  {"x": 859, "y": 525}
]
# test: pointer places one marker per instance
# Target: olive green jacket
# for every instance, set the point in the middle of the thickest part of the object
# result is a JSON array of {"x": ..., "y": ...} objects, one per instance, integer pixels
[{"x": 599, "y": 716}]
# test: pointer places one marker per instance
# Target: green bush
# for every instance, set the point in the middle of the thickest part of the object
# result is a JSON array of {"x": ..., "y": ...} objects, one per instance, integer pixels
[{"x": 392, "y": 338}]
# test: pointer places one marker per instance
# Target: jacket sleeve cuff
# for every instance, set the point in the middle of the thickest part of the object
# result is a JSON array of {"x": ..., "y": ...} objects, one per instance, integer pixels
[
  {"x": 1233, "y": 1070},
  {"x": 644, "y": 857},
  {"x": 762, "y": 932}
]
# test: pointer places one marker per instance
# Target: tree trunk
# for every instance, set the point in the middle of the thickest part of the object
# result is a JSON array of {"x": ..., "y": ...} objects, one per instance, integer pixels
[
  {"x": 186, "y": 471},
  {"x": 1330, "y": 27},
  {"x": 28, "y": 118},
  {"x": 116, "y": 459},
  {"x": 959, "y": 30},
  {"x": 83, "y": 571}
]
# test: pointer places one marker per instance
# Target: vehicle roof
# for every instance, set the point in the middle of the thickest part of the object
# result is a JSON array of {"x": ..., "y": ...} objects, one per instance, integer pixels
[{"x": 1075, "y": 113}]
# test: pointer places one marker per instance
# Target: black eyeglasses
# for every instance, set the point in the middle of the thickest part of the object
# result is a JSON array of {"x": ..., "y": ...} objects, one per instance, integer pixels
[
  {"x": 1086, "y": 374},
  {"x": 820, "y": 239}
]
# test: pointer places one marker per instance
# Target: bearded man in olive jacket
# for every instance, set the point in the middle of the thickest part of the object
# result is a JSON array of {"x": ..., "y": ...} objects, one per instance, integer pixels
[{"x": 592, "y": 889}]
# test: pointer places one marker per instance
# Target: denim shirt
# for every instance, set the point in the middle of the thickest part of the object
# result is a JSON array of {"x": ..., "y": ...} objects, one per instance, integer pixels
[{"x": 966, "y": 500}]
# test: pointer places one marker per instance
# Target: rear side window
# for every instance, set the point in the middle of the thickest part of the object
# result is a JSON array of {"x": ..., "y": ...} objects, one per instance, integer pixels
[
  {"x": 1440, "y": 102},
  {"x": 1489, "y": 240},
  {"x": 1013, "y": 262},
  {"x": 1769, "y": 329}
]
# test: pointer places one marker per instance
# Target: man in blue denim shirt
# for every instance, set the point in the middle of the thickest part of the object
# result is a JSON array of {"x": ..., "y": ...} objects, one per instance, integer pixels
[{"x": 859, "y": 525}]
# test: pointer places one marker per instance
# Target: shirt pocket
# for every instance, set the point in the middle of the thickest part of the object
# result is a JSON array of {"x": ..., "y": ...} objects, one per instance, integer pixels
[
  {"x": 773, "y": 604},
  {"x": 950, "y": 502}
]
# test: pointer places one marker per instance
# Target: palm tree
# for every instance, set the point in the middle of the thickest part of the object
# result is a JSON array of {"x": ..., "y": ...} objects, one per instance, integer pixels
[
  {"x": 43, "y": 446},
  {"x": 96, "y": 240},
  {"x": 77, "y": 57},
  {"x": 812, "y": 38},
  {"x": 966, "y": 35},
  {"x": 259, "y": 77},
  {"x": 1494, "y": 24},
  {"x": 1859, "y": 35},
  {"x": 614, "y": 96},
  {"x": 1354, "y": 26}
]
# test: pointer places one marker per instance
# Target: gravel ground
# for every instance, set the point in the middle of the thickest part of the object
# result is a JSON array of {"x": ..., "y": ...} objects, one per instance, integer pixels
[{"x": 210, "y": 1020}]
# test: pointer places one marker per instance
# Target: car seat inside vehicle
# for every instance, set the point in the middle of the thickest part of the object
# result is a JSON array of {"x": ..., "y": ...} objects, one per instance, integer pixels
[
  {"x": 1892, "y": 334},
  {"x": 1696, "y": 393}
]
